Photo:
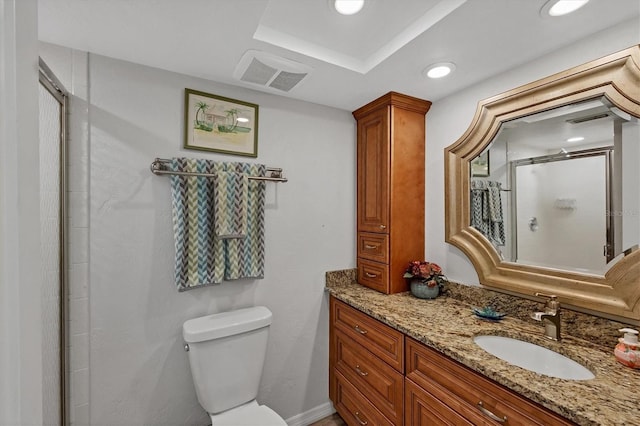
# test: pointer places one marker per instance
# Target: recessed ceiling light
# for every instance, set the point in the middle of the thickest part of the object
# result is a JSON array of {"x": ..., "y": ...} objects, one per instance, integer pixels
[
  {"x": 575, "y": 139},
  {"x": 561, "y": 7},
  {"x": 348, "y": 7},
  {"x": 439, "y": 70}
]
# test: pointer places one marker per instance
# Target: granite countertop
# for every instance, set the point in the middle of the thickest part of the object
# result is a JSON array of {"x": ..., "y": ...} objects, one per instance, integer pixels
[{"x": 448, "y": 325}]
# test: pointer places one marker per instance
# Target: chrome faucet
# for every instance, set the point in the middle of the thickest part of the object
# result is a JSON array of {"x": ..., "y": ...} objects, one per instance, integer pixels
[{"x": 550, "y": 317}]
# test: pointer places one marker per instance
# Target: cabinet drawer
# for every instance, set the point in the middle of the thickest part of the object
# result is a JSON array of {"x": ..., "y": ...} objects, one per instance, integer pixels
[
  {"x": 432, "y": 370},
  {"x": 380, "y": 339},
  {"x": 424, "y": 409},
  {"x": 373, "y": 275},
  {"x": 354, "y": 408},
  {"x": 379, "y": 382},
  {"x": 373, "y": 247}
]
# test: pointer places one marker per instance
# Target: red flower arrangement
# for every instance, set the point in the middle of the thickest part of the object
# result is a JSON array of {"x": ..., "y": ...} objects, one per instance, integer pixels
[{"x": 428, "y": 272}]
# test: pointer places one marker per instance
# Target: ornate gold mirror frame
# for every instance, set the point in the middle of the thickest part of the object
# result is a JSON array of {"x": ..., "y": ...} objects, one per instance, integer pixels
[{"x": 617, "y": 293}]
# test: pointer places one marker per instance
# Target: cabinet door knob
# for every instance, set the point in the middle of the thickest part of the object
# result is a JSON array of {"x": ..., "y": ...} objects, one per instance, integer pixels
[
  {"x": 360, "y": 372},
  {"x": 490, "y": 414},
  {"x": 357, "y": 416},
  {"x": 383, "y": 226}
]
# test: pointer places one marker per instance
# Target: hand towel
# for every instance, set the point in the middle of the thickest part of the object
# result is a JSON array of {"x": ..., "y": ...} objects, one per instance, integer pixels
[
  {"x": 486, "y": 210},
  {"x": 244, "y": 257},
  {"x": 494, "y": 206},
  {"x": 199, "y": 257},
  {"x": 230, "y": 200}
]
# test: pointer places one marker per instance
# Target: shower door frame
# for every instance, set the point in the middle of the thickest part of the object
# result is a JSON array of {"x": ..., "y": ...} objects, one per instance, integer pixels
[
  {"x": 607, "y": 152},
  {"x": 51, "y": 83}
]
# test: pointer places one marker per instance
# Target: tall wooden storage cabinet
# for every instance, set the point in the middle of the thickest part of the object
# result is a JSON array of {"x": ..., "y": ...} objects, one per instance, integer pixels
[{"x": 391, "y": 176}]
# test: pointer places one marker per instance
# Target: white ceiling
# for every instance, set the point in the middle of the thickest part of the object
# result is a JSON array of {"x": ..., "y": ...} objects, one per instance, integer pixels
[{"x": 354, "y": 58}]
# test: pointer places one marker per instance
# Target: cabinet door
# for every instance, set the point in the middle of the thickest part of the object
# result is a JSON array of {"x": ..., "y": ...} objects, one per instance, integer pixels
[{"x": 373, "y": 172}]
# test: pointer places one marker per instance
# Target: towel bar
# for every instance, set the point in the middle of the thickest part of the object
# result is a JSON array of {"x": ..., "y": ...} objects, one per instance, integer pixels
[{"x": 158, "y": 168}]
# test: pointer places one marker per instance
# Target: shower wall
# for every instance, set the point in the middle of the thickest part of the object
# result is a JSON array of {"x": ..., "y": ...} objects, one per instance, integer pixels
[{"x": 567, "y": 199}]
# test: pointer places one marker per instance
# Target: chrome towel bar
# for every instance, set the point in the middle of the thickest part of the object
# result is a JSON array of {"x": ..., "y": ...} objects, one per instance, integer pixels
[{"x": 159, "y": 167}]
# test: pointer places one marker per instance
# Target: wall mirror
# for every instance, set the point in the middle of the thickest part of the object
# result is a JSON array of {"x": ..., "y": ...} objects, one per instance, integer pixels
[{"x": 543, "y": 189}]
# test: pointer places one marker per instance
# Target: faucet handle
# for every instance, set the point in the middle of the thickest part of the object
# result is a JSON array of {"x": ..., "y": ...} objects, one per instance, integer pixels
[{"x": 552, "y": 304}]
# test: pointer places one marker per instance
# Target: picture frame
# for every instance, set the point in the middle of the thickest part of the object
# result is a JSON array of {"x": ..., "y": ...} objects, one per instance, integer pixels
[
  {"x": 219, "y": 124},
  {"x": 480, "y": 165}
]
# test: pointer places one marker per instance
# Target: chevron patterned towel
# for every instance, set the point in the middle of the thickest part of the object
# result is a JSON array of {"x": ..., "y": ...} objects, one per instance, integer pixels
[
  {"x": 244, "y": 257},
  {"x": 199, "y": 258},
  {"x": 230, "y": 201}
]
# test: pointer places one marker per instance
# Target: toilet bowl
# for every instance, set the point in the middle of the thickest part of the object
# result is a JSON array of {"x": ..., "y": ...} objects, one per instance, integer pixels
[
  {"x": 249, "y": 414},
  {"x": 226, "y": 355}
]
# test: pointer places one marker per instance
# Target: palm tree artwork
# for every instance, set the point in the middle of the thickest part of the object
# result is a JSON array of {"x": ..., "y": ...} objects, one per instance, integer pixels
[
  {"x": 200, "y": 123},
  {"x": 231, "y": 123}
]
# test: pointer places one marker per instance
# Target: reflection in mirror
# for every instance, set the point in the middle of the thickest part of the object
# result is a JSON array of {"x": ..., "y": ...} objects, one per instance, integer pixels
[
  {"x": 561, "y": 188},
  {"x": 528, "y": 129}
]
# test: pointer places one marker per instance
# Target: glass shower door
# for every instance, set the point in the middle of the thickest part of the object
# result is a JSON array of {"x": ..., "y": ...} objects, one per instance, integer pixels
[{"x": 52, "y": 188}]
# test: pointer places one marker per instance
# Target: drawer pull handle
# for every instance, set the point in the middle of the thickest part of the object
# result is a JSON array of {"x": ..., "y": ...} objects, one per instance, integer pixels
[
  {"x": 357, "y": 416},
  {"x": 383, "y": 227},
  {"x": 370, "y": 247},
  {"x": 490, "y": 414},
  {"x": 360, "y": 372},
  {"x": 359, "y": 330},
  {"x": 370, "y": 275}
]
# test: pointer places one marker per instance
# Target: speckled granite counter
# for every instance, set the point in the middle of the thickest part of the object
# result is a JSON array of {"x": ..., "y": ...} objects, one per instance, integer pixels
[{"x": 448, "y": 325}]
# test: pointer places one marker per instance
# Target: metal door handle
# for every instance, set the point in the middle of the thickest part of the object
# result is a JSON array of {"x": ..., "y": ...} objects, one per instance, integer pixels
[
  {"x": 368, "y": 246},
  {"x": 359, "y": 330},
  {"x": 357, "y": 416},
  {"x": 490, "y": 414},
  {"x": 370, "y": 275},
  {"x": 360, "y": 372}
]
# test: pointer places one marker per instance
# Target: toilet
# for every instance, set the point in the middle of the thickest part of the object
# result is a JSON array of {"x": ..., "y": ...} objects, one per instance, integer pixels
[{"x": 226, "y": 354}]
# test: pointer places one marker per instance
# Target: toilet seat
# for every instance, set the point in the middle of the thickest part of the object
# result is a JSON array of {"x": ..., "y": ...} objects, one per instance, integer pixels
[{"x": 249, "y": 414}]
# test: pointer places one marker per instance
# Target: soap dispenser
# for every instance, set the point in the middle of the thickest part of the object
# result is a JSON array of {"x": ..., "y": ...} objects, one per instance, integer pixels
[{"x": 627, "y": 351}]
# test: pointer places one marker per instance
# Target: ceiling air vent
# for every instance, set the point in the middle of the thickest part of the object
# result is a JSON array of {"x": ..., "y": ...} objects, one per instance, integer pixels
[
  {"x": 589, "y": 118},
  {"x": 270, "y": 71}
]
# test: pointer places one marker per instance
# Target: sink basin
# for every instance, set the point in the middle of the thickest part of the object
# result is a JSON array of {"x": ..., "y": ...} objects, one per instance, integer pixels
[{"x": 533, "y": 357}]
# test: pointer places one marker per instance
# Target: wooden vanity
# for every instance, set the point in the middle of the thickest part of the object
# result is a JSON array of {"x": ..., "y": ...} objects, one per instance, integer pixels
[
  {"x": 378, "y": 376},
  {"x": 399, "y": 360}
]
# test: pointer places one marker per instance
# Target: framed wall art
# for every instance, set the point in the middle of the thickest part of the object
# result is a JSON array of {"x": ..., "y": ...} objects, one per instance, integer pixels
[
  {"x": 219, "y": 124},
  {"x": 480, "y": 165}
]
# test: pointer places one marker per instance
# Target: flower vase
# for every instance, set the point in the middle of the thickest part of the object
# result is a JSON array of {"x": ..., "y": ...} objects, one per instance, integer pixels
[{"x": 422, "y": 290}]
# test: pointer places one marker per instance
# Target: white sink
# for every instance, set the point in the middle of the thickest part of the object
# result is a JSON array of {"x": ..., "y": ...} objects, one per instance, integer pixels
[{"x": 533, "y": 357}]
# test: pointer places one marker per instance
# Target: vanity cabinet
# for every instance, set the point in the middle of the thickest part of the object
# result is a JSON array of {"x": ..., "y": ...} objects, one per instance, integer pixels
[
  {"x": 366, "y": 368},
  {"x": 433, "y": 376},
  {"x": 379, "y": 376},
  {"x": 390, "y": 189}
]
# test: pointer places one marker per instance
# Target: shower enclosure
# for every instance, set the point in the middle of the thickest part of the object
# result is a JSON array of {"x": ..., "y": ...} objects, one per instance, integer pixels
[
  {"x": 560, "y": 208},
  {"x": 52, "y": 148}
]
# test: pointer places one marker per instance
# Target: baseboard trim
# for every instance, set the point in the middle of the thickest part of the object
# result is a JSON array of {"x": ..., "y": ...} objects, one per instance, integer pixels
[{"x": 313, "y": 415}]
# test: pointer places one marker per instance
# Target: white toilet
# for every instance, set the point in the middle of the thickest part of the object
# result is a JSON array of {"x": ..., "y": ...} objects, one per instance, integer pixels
[{"x": 226, "y": 353}]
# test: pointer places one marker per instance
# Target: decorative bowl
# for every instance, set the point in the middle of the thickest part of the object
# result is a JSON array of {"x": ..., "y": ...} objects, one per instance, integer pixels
[{"x": 488, "y": 313}]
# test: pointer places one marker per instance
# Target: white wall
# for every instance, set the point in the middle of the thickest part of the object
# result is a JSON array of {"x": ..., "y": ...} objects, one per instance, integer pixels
[
  {"x": 138, "y": 370},
  {"x": 450, "y": 117},
  {"x": 20, "y": 279}
]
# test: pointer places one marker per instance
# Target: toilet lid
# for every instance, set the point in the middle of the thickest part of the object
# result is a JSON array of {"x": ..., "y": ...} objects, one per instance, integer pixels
[{"x": 248, "y": 415}]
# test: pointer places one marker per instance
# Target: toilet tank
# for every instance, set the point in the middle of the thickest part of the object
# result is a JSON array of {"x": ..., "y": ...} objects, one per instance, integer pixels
[{"x": 226, "y": 353}]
